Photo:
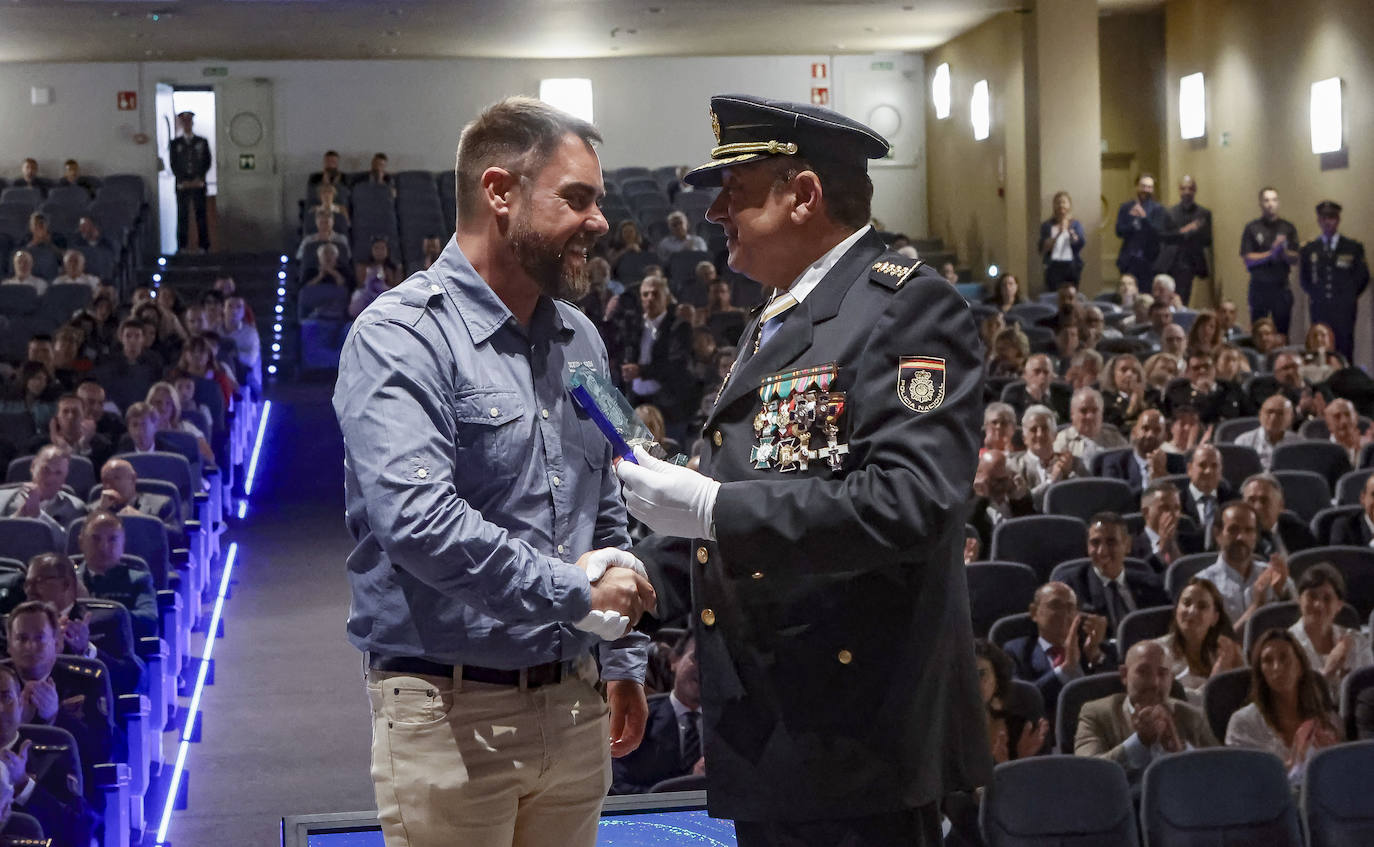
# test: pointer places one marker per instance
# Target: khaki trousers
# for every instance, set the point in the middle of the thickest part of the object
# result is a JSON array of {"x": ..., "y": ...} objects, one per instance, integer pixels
[{"x": 457, "y": 763}]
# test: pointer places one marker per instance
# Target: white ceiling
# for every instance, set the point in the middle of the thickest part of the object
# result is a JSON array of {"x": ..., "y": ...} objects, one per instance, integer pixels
[{"x": 179, "y": 30}]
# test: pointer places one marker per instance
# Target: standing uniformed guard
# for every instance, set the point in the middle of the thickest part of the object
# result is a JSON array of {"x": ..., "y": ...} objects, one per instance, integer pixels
[
  {"x": 1269, "y": 248},
  {"x": 1334, "y": 274},
  {"x": 190, "y": 155},
  {"x": 839, "y": 696}
]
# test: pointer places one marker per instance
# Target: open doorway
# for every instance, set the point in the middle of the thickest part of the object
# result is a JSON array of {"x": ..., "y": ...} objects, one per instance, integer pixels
[{"x": 172, "y": 100}]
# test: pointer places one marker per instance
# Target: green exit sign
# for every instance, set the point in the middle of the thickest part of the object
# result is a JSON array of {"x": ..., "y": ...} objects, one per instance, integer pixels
[
  {"x": 881, "y": 66},
  {"x": 214, "y": 71},
  {"x": 247, "y": 162}
]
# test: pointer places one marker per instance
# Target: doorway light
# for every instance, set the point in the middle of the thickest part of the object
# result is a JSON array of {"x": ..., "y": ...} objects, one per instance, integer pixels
[
  {"x": 1326, "y": 116},
  {"x": 939, "y": 91},
  {"x": 1192, "y": 106},
  {"x": 980, "y": 107}
]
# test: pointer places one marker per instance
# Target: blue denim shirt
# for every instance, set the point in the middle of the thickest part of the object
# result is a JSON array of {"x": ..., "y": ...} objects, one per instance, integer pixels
[{"x": 473, "y": 482}]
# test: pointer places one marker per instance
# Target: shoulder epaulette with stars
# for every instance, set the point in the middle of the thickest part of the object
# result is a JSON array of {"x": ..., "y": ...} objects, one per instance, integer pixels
[
  {"x": 93, "y": 671},
  {"x": 892, "y": 270},
  {"x": 50, "y": 748}
]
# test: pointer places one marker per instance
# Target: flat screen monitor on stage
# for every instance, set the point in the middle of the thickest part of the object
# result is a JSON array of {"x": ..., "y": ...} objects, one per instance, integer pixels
[{"x": 636, "y": 820}]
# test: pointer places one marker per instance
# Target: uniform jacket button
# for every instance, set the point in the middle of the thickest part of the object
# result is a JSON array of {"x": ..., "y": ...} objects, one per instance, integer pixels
[
  {"x": 708, "y": 617},
  {"x": 758, "y": 574},
  {"x": 702, "y": 555},
  {"x": 845, "y": 657},
  {"x": 716, "y": 438}
]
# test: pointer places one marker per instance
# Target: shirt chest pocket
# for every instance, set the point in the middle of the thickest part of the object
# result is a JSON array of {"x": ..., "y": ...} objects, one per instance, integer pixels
[{"x": 489, "y": 430}]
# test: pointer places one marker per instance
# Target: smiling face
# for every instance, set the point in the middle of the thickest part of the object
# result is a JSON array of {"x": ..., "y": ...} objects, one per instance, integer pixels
[
  {"x": 1319, "y": 606},
  {"x": 1196, "y": 613},
  {"x": 1107, "y": 548},
  {"x": 754, "y": 209},
  {"x": 556, "y": 219}
]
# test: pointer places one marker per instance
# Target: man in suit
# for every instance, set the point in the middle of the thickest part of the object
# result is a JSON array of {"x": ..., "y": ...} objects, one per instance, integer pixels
[
  {"x": 119, "y": 494},
  {"x": 672, "y": 735},
  {"x": 1334, "y": 274},
  {"x": 1280, "y": 531},
  {"x": 1357, "y": 530},
  {"x": 1135, "y": 727},
  {"x": 106, "y": 576},
  {"x": 1038, "y": 386},
  {"x": 46, "y": 775},
  {"x": 1068, "y": 644},
  {"x": 1215, "y": 399},
  {"x": 1104, "y": 585},
  {"x": 658, "y": 350},
  {"x": 42, "y": 498},
  {"x": 190, "y": 155},
  {"x": 1308, "y": 400},
  {"x": 1276, "y": 422},
  {"x": 1139, "y": 222},
  {"x": 1146, "y": 461},
  {"x": 999, "y": 493},
  {"x": 67, "y": 429},
  {"x": 829, "y": 511},
  {"x": 1163, "y": 540},
  {"x": 1206, "y": 489},
  {"x": 1187, "y": 240}
]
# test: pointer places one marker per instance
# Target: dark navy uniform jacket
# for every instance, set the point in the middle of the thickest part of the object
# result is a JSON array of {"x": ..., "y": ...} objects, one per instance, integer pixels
[
  {"x": 1334, "y": 278},
  {"x": 190, "y": 157},
  {"x": 831, "y": 613}
]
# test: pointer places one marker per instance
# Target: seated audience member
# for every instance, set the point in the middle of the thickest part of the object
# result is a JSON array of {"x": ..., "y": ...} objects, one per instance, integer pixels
[
  {"x": 1006, "y": 292},
  {"x": 1232, "y": 366},
  {"x": 627, "y": 239},
  {"x": 1204, "y": 336},
  {"x": 1058, "y": 653},
  {"x": 29, "y": 178},
  {"x": 1066, "y": 344},
  {"x": 246, "y": 339},
  {"x": 672, "y": 734},
  {"x": 1227, "y": 325},
  {"x": 1308, "y": 401},
  {"x": 1013, "y": 733},
  {"x": 74, "y": 271},
  {"x": 328, "y": 272},
  {"x": 324, "y": 234},
  {"x": 1008, "y": 353},
  {"x": 1147, "y": 459},
  {"x": 164, "y": 338},
  {"x": 1159, "y": 317},
  {"x": 678, "y": 238},
  {"x": 1143, "y": 722},
  {"x": 433, "y": 246},
  {"x": 1332, "y": 650},
  {"x": 41, "y": 778},
  {"x": 998, "y": 495},
  {"x": 34, "y": 392},
  {"x": 1265, "y": 337},
  {"x": 949, "y": 273},
  {"x": 377, "y": 174},
  {"x": 42, "y": 498},
  {"x": 47, "y": 254},
  {"x": 1276, "y": 422},
  {"x": 1127, "y": 290},
  {"x": 1244, "y": 583},
  {"x": 55, "y": 692},
  {"x": 71, "y": 175},
  {"x": 1280, "y": 531},
  {"x": 652, "y": 418},
  {"x": 1160, "y": 369},
  {"x": 1138, "y": 322},
  {"x": 143, "y": 425},
  {"x": 69, "y": 429},
  {"x": 198, "y": 414},
  {"x": 1104, "y": 585},
  {"x": 326, "y": 197},
  {"x": 1320, "y": 358},
  {"x": 108, "y": 578},
  {"x": 1184, "y": 431},
  {"x": 166, "y": 401},
  {"x": 22, "y": 262},
  {"x": 1084, "y": 369},
  {"x": 200, "y": 359},
  {"x": 119, "y": 494},
  {"x": 1290, "y": 713},
  {"x": 130, "y": 371},
  {"x": 1200, "y": 643},
  {"x": 93, "y": 408},
  {"x": 1357, "y": 530},
  {"x": 70, "y": 365},
  {"x": 696, "y": 291},
  {"x": 52, "y": 578},
  {"x": 1214, "y": 400},
  {"x": 1207, "y": 489},
  {"x": 329, "y": 174},
  {"x": 378, "y": 269},
  {"x": 999, "y": 425},
  {"x": 227, "y": 286},
  {"x": 725, "y": 321},
  {"x": 101, "y": 254},
  {"x": 1038, "y": 386},
  {"x": 1039, "y": 466},
  {"x": 1123, "y": 391},
  {"x": 1164, "y": 290},
  {"x": 1173, "y": 342},
  {"x": 1163, "y": 541},
  {"x": 1344, "y": 425},
  {"x": 1087, "y": 435}
]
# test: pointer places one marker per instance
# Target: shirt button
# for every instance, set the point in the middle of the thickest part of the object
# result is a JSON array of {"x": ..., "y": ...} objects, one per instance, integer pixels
[
  {"x": 716, "y": 439},
  {"x": 708, "y": 617},
  {"x": 560, "y": 548},
  {"x": 544, "y": 413},
  {"x": 844, "y": 657},
  {"x": 557, "y": 481},
  {"x": 702, "y": 555},
  {"x": 495, "y": 412}
]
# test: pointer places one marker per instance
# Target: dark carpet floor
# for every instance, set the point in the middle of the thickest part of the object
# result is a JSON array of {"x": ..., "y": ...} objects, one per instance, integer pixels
[{"x": 285, "y": 727}]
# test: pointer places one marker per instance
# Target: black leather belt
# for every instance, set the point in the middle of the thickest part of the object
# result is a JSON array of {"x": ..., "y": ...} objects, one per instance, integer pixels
[{"x": 548, "y": 673}]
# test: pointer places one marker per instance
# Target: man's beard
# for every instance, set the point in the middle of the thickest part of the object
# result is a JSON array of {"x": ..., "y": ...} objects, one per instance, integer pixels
[{"x": 544, "y": 261}]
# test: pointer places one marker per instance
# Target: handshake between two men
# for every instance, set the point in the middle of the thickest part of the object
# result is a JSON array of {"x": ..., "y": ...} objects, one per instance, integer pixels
[{"x": 621, "y": 592}]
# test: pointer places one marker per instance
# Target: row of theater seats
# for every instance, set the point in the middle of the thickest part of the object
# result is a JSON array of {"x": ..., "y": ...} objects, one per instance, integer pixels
[
  {"x": 1218, "y": 796},
  {"x": 119, "y": 208},
  {"x": 183, "y": 578}
]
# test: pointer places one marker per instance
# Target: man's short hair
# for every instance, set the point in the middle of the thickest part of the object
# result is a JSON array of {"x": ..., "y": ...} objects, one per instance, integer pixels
[
  {"x": 1153, "y": 491},
  {"x": 48, "y": 452},
  {"x": 1086, "y": 391},
  {"x": 1110, "y": 519},
  {"x": 1218, "y": 519},
  {"x": 331, "y": 152},
  {"x": 677, "y": 215},
  {"x": 1266, "y": 478},
  {"x": 1144, "y": 175},
  {"x": 128, "y": 323},
  {"x": 1037, "y": 410},
  {"x": 847, "y": 189},
  {"x": 41, "y": 337},
  {"x": 138, "y": 410},
  {"x": 1260, "y": 196},
  {"x": 519, "y": 134},
  {"x": 69, "y": 397},
  {"x": 35, "y": 607}
]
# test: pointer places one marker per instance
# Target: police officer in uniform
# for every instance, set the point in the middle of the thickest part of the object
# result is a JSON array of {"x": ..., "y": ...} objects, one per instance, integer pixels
[
  {"x": 1269, "y": 246},
  {"x": 190, "y": 163},
  {"x": 1334, "y": 274},
  {"x": 839, "y": 696}
]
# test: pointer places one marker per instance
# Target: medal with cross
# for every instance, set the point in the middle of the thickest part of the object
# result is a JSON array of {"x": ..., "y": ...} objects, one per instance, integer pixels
[{"x": 762, "y": 453}]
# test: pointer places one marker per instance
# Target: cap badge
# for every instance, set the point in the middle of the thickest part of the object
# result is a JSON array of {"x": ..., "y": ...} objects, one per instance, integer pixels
[{"x": 715, "y": 125}]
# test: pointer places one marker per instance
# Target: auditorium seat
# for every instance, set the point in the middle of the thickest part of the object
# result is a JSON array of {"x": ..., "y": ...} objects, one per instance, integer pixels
[
  {"x": 1356, "y": 564},
  {"x": 1337, "y": 808},
  {"x": 1040, "y": 541},
  {"x": 1183, "y": 569},
  {"x": 1193, "y": 799},
  {"x": 1073, "y": 696},
  {"x": 1315, "y": 429},
  {"x": 1357, "y": 681},
  {"x": 1142, "y": 625},
  {"x": 1350, "y": 485},
  {"x": 1322, "y": 522},
  {"x": 18, "y": 300},
  {"x": 1324, "y": 458},
  {"x": 690, "y": 782},
  {"x": 1238, "y": 463},
  {"x": 1012, "y": 626},
  {"x": 1052, "y": 801},
  {"x": 1283, "y": 614},
  {"x": 1228, "y": 431},
  {"x": 1083, "y": 498},
  {"x": 1064, "y": 568},
  {"x": 1305, "y": 492},
  {"x": 80, "y": 473},
  {"x": 998, "y": 589},
  {"x": 1222, "y": 695},
  {"x": 24, "y": 538},
  {"x": 22, "y": 196}
]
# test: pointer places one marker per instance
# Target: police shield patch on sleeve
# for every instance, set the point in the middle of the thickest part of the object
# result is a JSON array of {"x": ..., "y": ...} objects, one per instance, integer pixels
[{"x": 921, "y": 382}]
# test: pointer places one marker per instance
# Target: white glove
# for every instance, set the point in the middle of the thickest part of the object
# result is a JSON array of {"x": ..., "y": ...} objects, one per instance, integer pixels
[
  {"x": 608, "y": 625},
  {"x": 671, "y": 500}
]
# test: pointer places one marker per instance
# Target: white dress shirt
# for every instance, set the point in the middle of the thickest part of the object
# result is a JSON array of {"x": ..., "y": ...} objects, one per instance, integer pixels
[{"x": 1236, "y": 593}]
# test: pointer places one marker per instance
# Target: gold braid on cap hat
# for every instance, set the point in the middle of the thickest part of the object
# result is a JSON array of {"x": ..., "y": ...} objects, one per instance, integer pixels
[{"x": 772, "y": 148}]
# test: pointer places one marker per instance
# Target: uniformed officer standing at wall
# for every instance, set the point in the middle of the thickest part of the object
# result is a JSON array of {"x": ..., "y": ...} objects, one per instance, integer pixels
[
  {"x": 190, "y": 154},
  {"x": 1269, "y": 248},
  {"x": 838, "y": 688},
  {"x": 1334, "y": 274},
  {"x": 479, "y": 496}
]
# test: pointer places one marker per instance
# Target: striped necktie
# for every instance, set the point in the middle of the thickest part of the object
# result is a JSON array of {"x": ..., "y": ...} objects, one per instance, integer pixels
[{"x": 772, "y": 316}]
